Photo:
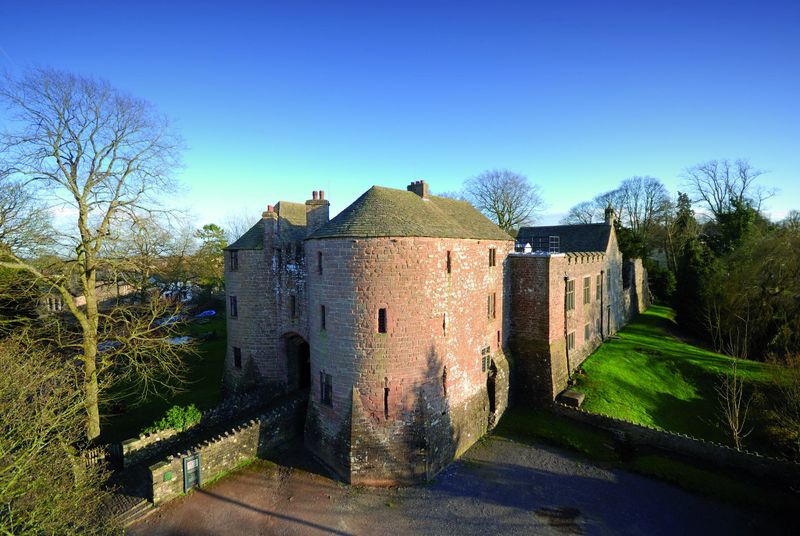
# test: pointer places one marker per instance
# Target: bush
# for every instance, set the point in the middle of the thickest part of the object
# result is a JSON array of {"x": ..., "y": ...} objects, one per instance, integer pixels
[{"x": 176, "y": 418}]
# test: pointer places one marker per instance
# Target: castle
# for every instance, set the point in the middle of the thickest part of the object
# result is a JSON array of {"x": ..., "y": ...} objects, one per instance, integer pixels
[{"x": 401, "y": 314}]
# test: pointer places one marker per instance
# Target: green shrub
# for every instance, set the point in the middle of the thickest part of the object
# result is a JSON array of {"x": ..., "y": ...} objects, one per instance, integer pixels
[{"x": 176, "y": 418}]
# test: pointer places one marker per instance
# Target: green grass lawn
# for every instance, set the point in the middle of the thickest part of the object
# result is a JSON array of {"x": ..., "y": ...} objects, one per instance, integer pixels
[
  {"x": 649, "y": 376},
  {"x": 202, "y": 387}
]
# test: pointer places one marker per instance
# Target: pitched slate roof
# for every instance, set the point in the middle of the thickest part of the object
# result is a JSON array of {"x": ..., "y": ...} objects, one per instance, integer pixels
[
  {"x": 252, "y": 239},
  {"x": 390, "y": 212},
  {"x": 572, "y": 238}
]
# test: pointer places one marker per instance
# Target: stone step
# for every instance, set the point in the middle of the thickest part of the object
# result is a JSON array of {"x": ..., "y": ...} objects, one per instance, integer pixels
[{"x": 137, "y": 512}]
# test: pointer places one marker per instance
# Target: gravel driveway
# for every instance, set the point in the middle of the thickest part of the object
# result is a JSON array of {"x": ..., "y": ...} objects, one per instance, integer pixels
[{"x": 499, "y": 486}]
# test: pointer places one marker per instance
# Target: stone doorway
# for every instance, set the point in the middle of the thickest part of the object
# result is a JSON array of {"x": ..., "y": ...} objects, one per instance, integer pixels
[{"x": 298, "y": 362}]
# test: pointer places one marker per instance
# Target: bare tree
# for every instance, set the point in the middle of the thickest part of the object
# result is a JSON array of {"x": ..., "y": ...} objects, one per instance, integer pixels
[
  {"x": 44, "y": 486},
  {"x": 506, "y": 197},
  {"x": 237, "y": 223},
  {"x": 104, "y": 155},
  {"x": 583, "y": 212},
  {"x": 733, "y": 405},
  {"x": 718, "y": 184}
]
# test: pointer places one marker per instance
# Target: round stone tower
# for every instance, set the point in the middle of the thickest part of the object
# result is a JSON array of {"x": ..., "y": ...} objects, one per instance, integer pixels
[{"x": 405, "y": 301}]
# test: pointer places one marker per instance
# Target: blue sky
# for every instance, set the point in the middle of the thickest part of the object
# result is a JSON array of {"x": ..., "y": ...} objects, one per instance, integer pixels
[{"x": 278, "y": 99}]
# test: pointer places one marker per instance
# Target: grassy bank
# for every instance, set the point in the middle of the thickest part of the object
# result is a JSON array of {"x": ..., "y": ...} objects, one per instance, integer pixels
[
  {"x": 649, "y": 375},
  {"x": 202, "y": 387}
]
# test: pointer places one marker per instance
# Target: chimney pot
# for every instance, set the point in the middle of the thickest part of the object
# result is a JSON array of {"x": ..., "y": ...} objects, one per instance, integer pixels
[
  {"x": 321, "y": 195},
  {"x": 314, "y": 195},
  {"x": 270, "y": 208}
]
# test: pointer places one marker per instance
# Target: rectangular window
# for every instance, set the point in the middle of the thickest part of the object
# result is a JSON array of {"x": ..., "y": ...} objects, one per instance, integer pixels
[
  {"x": 234, "y": 257},
  {"x": 381, "y": 320},
  {"x": 492, "y": 257},
  {"x": 298, "y": 252},
  {"x": 449, "y": 263},
  {"x": 322, "y": 325},
  {"x": 234, "y": 309},
  {"x": 485, "y": 358},
  {"x": 319, "y": 261},
  {"x": 598, "y": 284},
  {"x": 587, "y": 290},
  {"x": 587, "y": 332},
  {"x": 325, "y": 389},
  {"x": 570, "y": 295},
  {"x": 571, "y": 340},
  {"x": 491, "y": 306},
  {"x": 237, "y": 357},
  {"x": 554, "y": 245},
  {"x": 293, "y": 305}
]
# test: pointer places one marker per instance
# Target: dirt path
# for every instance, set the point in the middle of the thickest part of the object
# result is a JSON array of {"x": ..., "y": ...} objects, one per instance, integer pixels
[{"x": 499, "y": 486}]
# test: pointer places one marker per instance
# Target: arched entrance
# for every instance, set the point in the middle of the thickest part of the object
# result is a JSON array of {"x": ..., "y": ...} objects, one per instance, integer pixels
[{"x": 298, "y": 362}]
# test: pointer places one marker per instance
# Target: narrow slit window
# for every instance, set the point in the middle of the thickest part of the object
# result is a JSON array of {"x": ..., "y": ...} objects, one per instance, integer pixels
[
  {"x": 571, "y": 340},
  {"x": 234, "y": 312},
  {"x": 444, "y": 381},
  {"x": 385, "y": 402},
  {"x": 491, "y": 306},
  {"x": 298, "y": 252},
  {"x": 449, "y": 262},
  {"x": 498, "y": 340},
  {"x": 381, "y": 320},
  {"x": 325, "y": 389},
  {"x": 237, "y": 357},
  {"x": 319, "y": 262},
  {"x": 322, "y": 324},
  {"x": 234, "y": 256},
  {"x": 293, "y": 305},
  {"x": 492, "y": 257}
]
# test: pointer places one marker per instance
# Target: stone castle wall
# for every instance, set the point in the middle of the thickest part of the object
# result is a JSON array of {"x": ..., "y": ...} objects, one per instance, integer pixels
[{"x": 429, "y": 359}]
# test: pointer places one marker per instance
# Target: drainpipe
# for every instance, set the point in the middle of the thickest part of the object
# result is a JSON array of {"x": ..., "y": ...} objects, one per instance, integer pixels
[
  {"x": 602, "y": 284},
  {"x": 566, "y": 339}
]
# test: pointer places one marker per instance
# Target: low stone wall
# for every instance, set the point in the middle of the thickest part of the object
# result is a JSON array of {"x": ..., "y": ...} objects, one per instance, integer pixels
[
  {"x": 224, "y": 451},
  {"x": 148, "y": 446},
  {"x": 775, "y": 469}
]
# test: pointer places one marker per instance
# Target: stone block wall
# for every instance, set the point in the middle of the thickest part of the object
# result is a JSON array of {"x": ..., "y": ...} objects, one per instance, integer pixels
[
  {"x": 778, "y": 470},
  {"x": 230, "y": 448},
  {"x": 541, "y": 325},
  {"x": 427, "y": 367}
]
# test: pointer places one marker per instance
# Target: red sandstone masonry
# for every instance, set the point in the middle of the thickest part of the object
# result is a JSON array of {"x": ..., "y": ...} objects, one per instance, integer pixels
[{"x": 408, "y": 277}]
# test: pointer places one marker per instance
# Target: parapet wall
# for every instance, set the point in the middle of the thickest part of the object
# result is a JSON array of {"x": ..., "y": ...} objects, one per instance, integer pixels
[
  {"x": 755, "y": 464},
  {"x": 227, "y": 450}
]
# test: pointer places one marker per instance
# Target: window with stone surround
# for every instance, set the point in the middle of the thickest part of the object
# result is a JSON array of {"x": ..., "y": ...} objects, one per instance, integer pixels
[
  {"x": 325, "y": 389},
  {"x": 486, "y": 354},
  {"x": 237, "y": 357},
  {"x": 382, "y": 323},
  {"x": 571, "y": 340},
  {"x": 570, "y": 295},
  {"x": 491, "y": 306},
  {"x": 319, "y": 262},
  {"x": 587, "y": 332},
  {"x": 492, "y": 257},
  {"x": 587, "y": 290},
  {"x": 322, "y": 325},
  {"x": 234, "y": 258},
  {"x": 234, "y": 308},
  {"x": 598, "y": 287}
]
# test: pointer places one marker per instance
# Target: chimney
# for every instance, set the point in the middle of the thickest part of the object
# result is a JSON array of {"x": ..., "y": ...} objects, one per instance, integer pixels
[
  {"x": 420, "y": 188},
  {"x": 317, "y": 211},
  {"x": 270, "y": 213},
  {"x": 609, "y": 215}
]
